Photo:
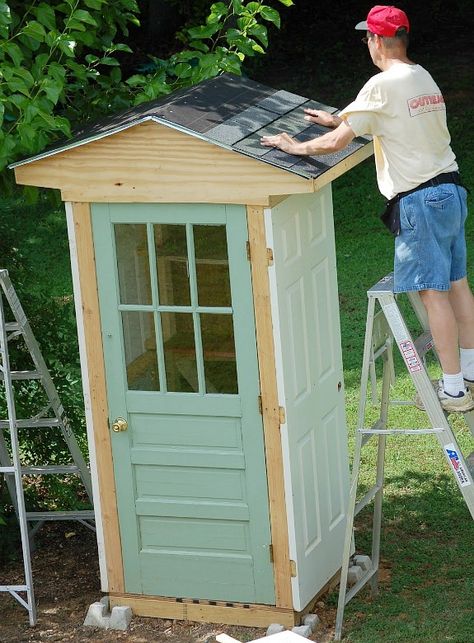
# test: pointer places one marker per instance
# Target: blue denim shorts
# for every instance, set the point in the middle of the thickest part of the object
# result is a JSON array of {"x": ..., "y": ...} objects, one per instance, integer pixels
[{"x": 430, "y": 251}]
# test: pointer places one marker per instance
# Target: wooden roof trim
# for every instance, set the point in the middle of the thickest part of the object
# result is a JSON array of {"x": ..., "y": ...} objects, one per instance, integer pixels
[{"x": 154, "y": 163}]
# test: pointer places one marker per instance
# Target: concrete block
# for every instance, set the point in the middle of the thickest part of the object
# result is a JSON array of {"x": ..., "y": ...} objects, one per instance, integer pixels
[
  {"x": 105, "y": 601},
  {"x": 302, "y": 630},
  {"x": 275, "y": 628},
  {"x": 355, "y": 573},
  {"x": 120, "y": 617},
  {"x": 97, "y": 616},
  {"x": 312, "y": 621},
  {"x": 364, "y": 562}
]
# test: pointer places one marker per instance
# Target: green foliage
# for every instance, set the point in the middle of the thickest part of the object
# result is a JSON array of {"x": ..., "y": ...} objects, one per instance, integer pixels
[
  {"x": 232, "y": 31},
  {"x": 59, "y": 62}
]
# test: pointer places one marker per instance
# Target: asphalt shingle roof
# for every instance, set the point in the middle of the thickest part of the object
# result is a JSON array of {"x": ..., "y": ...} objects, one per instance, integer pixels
[{"x": 230, "y": 111}]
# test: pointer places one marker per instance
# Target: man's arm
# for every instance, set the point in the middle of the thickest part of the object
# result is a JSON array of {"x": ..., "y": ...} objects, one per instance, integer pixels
[{"x": 333, "y": 141}]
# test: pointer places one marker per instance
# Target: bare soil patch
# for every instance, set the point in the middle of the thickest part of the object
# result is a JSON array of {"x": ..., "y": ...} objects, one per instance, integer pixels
[{"x": 66, "y": 582}]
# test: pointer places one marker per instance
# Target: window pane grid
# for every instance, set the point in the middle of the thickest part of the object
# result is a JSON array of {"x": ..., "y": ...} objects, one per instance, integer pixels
[{"x": 195, "y": 351}]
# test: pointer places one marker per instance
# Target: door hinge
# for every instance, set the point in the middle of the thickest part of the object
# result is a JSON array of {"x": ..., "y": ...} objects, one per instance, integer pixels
[
  {"x": 270, "y": 551},
  {"x": 260, "y": 405},
  {"x": 293, "y": 572},
  {"x": 247, "y": 245},
  {"x": 269, "y": 257},
  {"x": 282, "y": 414}
]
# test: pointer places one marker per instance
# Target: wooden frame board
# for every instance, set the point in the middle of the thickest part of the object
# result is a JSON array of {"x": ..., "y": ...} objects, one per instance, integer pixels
[
  {"x": 152, "y": 163},
  {"x": 270, "y": 407},
  {"x": 98, "y": 396},
  {"x": 205, "y": 611}
]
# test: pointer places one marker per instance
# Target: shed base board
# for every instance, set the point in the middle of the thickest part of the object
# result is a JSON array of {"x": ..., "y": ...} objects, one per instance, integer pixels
[{"x": 188, "y": 610}]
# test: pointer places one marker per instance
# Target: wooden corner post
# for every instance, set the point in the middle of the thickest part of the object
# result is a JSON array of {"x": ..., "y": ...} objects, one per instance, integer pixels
[
  {"x": 270, "y": 406},
  {"x": 87, "y": 279}
]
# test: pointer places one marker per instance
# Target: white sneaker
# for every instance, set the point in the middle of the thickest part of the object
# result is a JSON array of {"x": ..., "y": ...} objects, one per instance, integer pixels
[
  {"x": 460, "y": 403},
  {"x": 469, "y": 384}
]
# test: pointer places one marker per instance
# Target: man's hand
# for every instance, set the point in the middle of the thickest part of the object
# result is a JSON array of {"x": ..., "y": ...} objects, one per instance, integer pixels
[
  {"x": 282, "y": 141},
  {"x": 321, "y": 117}
]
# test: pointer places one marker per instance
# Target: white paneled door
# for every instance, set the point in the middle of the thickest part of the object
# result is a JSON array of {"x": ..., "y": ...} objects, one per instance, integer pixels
[{"x": 310, "y": 381}]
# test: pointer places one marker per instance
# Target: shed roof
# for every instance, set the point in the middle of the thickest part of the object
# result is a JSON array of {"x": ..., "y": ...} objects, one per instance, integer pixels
[{"x": 230, "y": 111}]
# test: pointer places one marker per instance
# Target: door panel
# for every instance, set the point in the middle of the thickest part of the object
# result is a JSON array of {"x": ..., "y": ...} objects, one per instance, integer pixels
[
  {"x": 315, "y": 443},
  {"x": 179, "y": 344}
]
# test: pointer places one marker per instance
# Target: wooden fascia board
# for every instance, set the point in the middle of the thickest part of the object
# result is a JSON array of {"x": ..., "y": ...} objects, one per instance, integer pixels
[{"x": 154, "y": 163}]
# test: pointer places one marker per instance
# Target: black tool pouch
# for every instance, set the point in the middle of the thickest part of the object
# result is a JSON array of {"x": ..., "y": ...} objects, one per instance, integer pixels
[{"x": 390, "y": 217}]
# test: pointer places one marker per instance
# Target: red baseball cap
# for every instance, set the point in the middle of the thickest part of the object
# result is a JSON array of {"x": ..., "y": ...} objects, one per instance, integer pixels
[{"x": 384, "y": 20}]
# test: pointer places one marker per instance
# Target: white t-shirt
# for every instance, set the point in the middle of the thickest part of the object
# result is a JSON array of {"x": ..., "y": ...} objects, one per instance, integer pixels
[{"x": 404, "y": 110}]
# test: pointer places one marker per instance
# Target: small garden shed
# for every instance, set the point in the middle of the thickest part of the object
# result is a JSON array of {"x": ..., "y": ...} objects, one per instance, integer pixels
[{"x": 205, "y": 282}]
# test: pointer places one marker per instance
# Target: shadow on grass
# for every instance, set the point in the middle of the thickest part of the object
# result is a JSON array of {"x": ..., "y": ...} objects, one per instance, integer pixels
[{"x": 426, "y": 580}]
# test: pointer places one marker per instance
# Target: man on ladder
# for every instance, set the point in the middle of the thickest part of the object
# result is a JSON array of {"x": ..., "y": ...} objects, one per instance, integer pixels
[{"x": 404, "y": 110}]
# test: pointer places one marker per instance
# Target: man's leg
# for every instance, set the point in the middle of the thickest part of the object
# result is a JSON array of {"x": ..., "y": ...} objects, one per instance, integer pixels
[
  {"x": 444, "y": 328},
  {"x": 462, "y": 304},
  {"x": 443, "y": 320}
]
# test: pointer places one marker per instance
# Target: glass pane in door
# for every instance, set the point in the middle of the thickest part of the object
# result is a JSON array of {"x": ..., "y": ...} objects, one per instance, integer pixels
[
  {"x": 220, "y": 370},
  {"x": 140, "y": 351},
  {"x": 212, "y": 265},
  {"x": 133, "y": 264},
  {"x": 180, "y": 352},
  {"x": 172, "y": 264}
]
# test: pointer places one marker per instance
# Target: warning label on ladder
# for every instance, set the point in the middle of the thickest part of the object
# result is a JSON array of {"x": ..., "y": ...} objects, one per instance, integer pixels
[
  {"x": 410, "y": 356},
  {"x": 456, "y": 464}
]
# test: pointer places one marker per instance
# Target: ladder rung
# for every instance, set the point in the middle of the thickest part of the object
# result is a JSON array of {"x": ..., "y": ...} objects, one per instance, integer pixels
[
  {"x": 12, "y": 326},
  {"x": 85, "y": 514},
  {"x": 7, "y": 469},
  {"x": 50, "y": 469},
  {"x": 360, "y": 584},
  {"x": 424, "y": 343},
  {"x": 14, "y": 588},
  {"x": 400, "y": 431},
  {"x": 23, "y": 375},
  {"x": 369, "y": 496},
  {"x": 32, "y": 423}
]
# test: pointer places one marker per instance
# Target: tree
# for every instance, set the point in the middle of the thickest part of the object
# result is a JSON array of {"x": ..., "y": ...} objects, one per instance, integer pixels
[{"x": 59, "y": 62}]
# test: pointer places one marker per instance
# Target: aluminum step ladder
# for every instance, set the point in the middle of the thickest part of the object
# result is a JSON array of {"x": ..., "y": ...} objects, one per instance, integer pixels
[
  {"x": 52, "y": 415},
  {"x": 385, "y": 327}
]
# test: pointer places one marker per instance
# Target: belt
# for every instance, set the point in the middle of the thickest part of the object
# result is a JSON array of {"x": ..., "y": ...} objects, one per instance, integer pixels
[{"x": 446, "y": 177}]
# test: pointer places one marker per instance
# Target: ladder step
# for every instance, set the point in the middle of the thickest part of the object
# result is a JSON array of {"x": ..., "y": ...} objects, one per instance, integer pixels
[
  {"x": 32, "y": 423},
  {"x": 424, "y": 343},
  {"x": 50, "y": 469},
  {"x": 369, "y": 496},
  {"x": 400, "y": 431},
  {"x": 359, "y": 585},
  {"x": 7, "y": 469},
  {"x": 12, "y": 326},
  {"x": 84, "y": 514},
  {"x": 14, "y": 588},
  {"x": 23, "y": 375}
]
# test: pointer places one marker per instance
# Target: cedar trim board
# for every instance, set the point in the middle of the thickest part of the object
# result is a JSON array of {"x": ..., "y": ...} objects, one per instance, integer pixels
[
  {"x": 204, "y": 611},
  {"x": 270, "y": 406},
  {"x": 78, "y": 305},
  {"x": 153, "y": 163},
  {"x": 98, "y": 395}
]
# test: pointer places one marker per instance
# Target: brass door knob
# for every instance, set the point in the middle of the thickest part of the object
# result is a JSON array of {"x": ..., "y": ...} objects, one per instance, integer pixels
[{"x": 119, "y": 425}]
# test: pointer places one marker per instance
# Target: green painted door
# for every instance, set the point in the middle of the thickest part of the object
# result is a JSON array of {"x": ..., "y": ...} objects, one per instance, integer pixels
[{"x": 181, "y": 367}]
